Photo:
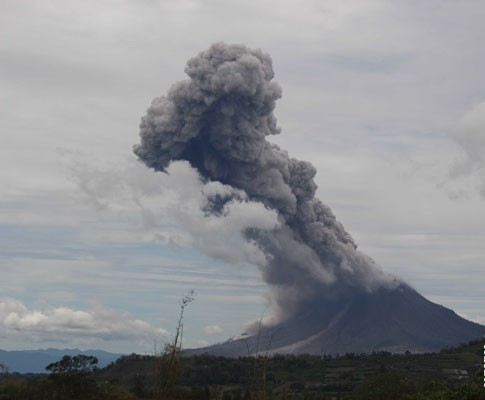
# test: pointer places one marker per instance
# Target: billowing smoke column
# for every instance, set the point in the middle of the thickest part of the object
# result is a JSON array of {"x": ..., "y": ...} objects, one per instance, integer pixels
[{"x": 218, "y": 120}]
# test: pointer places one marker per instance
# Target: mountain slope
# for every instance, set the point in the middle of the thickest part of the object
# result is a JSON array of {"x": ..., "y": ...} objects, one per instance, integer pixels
[
  {"x": 35, "y": 361},
  {"x": 394, "y": 320}
]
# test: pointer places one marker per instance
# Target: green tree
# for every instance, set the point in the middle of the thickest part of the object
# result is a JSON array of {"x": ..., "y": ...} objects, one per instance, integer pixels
[
  {"x": 70, "y": 376},
  {"x": 80, "y": 365}
]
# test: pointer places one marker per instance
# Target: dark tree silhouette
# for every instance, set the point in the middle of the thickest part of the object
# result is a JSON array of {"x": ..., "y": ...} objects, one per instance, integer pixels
[{"x": 70, "y": 376}]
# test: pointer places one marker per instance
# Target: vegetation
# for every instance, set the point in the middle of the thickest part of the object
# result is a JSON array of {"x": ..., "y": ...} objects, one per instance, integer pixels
[
  {"x": 168, "y": 363},
  {"x": 69, "y": 377},
  {"x": 452, "y": 374}
]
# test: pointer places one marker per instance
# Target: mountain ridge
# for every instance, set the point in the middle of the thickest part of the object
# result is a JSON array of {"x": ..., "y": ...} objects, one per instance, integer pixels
[{"x": 35, "y": 361}]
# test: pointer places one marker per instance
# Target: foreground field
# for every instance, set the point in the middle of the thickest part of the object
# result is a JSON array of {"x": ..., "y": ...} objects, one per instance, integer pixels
[{"x": 449, "y": 374}]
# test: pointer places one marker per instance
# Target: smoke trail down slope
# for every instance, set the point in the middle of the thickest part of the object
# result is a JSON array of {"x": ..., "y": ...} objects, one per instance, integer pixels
[{"x": 218, "y": 121}]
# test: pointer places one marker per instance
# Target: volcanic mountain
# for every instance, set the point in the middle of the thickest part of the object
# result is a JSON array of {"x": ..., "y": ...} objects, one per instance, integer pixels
[
  {"x": 395, "y": 320},
  {"x": 258, "y": 206}
]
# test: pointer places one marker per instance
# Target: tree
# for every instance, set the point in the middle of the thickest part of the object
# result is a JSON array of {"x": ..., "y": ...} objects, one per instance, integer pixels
[
  {"x": 70, "y": 376},
  {"x": 80, "y": 365},
  {"x": 3, "y": 369}
]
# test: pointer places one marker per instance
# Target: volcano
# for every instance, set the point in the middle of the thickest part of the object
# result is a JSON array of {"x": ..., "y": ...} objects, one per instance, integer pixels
[
  {"x": 328, "y": 296},
  {"x": 395, "y": 320}
]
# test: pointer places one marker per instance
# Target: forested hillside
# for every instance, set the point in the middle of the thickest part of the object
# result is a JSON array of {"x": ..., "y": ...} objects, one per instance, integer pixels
[{"x": 449, "y": 374}]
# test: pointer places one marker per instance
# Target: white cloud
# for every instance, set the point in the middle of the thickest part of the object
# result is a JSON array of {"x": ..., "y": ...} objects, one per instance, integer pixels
[
  {"x": 179, "y": 197},
  {"x": 469, "y": 135},
  {"x": 194, "y": 343},
  {"x": 68, "y": 325},
  {"x": 212, "y": 330}
]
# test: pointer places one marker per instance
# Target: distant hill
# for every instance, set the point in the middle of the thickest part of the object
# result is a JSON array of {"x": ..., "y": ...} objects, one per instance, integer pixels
[
  {"x": 35, "y": 361},
  {"x": 395, "y": 320}
]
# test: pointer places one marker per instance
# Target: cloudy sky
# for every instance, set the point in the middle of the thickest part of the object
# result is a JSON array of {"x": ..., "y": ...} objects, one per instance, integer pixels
[{"x": 386, "y": 99}]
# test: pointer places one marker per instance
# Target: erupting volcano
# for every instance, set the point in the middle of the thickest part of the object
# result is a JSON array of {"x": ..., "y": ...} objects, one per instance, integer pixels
[{"x": 326, "y": 296}]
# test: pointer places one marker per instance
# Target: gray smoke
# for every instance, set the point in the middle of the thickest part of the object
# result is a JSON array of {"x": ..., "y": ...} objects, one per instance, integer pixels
[{"x": 218, "y": 120}]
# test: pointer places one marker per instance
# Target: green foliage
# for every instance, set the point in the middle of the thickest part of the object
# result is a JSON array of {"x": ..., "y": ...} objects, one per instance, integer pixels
[
  {"x": 70, "y": 377},
  {"x": 32, "y": 389},
  {"x": 80, "y": 365},
  {"x": 391, "y": 385},
  {"x": 396, "y": 386},
  {"x": 351, "y": 376},
  {"x": 112, "y": 390}
]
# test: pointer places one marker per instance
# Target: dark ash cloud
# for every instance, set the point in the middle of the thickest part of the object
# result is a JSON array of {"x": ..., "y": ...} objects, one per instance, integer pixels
[{"x": 218, "y": 121}]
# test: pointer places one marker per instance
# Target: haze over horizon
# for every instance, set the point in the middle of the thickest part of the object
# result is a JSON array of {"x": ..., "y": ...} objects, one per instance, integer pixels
[{"x": 386, "y": 101}]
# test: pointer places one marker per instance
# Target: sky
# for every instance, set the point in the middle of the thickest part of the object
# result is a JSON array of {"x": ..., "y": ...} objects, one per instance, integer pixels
[{"x": 386, "y": 99}]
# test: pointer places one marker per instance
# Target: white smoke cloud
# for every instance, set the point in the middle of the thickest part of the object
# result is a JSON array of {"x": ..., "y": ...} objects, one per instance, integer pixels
[
  {"x": 68, "y": 325},
  {"x": 212, "y": 330},
  {"x": 469, "y": 135},
  {"x": 173, "y": 207}
]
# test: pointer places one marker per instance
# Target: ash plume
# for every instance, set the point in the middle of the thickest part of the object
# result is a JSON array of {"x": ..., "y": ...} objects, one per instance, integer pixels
[{"x": 218, "y": 121}]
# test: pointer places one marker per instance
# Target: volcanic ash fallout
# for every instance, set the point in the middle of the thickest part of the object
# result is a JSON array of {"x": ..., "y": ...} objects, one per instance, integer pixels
[{"x": 218, "y": 120}]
